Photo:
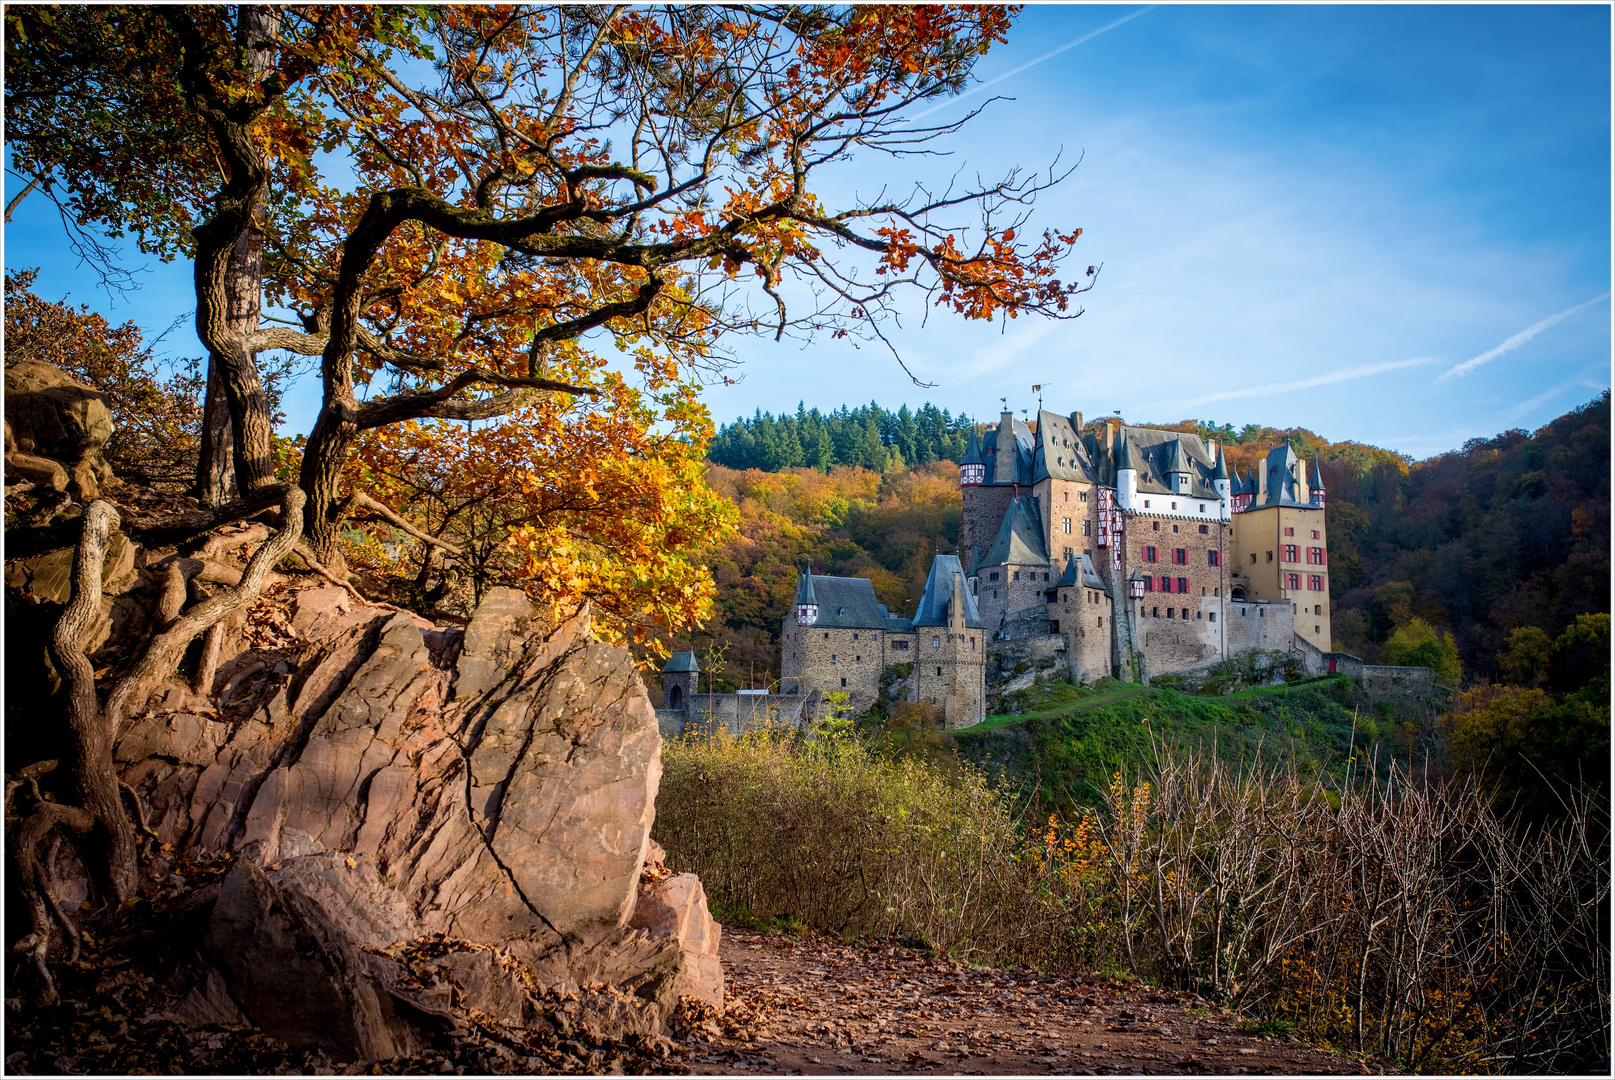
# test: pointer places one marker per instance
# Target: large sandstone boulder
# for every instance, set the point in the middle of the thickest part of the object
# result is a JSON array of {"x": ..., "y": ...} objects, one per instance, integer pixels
[
  {"x": 404, "y": 783},
  {"x": 53, "y": 418}
]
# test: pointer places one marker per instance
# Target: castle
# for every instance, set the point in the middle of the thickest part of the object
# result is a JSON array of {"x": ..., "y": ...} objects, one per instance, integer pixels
[
  {"x": 836, "y": 637},
  {"x": 1139, "y": 548},
  {"x": 1117, "y": 550}
]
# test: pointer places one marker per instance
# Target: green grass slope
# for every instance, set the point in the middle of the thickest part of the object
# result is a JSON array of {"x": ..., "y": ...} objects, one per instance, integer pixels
[{"x": 1068, "y": 740}]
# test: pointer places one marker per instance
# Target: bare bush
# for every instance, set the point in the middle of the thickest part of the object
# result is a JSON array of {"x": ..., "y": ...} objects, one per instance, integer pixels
[{"x": 1391, "y": 913}]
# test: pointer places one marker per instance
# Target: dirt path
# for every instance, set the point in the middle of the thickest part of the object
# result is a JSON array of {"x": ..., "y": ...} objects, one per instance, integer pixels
[{"x": 815, "y": 1007}]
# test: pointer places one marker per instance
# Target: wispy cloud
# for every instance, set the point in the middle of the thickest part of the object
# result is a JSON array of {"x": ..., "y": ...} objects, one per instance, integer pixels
[
  {"x": 1297, "y": 384},
  {"x": 1509, "y": 345},
  {"x": 1089, "y": 36}
]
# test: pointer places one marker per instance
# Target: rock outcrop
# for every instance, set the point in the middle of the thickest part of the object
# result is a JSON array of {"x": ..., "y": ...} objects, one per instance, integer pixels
[
  {"x": 490, "y": 791},
  {"x": 55, "y": 428}
]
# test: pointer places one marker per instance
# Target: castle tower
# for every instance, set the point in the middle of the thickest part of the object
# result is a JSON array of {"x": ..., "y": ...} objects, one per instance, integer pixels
[
  {"x": 1316, "y": 489},
  {"x": 1126, "y": 475},
  {"x": 807, "y": 608},
  {"x": 973, "y": 469},
  {"x": 950, "y": 646},
  {"x": 1221, "y": 484},
  {"x": 680, "y": 677}
]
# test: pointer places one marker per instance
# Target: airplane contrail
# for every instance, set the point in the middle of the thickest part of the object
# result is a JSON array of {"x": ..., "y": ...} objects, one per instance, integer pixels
[
  {"x": 1516, "y": 341},
  {"x": 1300, "y": 384},
  {"x": 1089, "y": 36}
]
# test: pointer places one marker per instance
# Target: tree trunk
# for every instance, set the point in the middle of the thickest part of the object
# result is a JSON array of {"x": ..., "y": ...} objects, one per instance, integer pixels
[
  {"x": 235, "y": 453},
  {"x": 215, "y": 469},
  {"x": 323, "y": 457}
]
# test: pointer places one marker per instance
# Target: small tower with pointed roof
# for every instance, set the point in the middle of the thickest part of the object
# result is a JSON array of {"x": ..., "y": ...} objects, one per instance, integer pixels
[
  {"x": 1126, "y": 474},
  {"x": 973, "y": 469},
  {"x": 807, "y": 607},
  {"x": 1316, "y": 490},
  {"x": 680, "y": 677}
]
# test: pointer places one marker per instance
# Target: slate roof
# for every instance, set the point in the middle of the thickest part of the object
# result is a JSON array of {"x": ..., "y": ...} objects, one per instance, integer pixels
[
  {"x": 845, "y": 603},
  {"x": 681, "y": 661},
  {"x": 938, "y": 596},
  {"x": 973, "y": 455},
  {"x": 1060, "y": 451},
  {"x": 1286, "y": 480},
  {"x": 896, "y": 624},
  {"x": 1156, "y": 454},
  {"x": 1078, "y": 568},
  {"x": 1022, "y": 444},
  {"x": 1020, "y": 537}
]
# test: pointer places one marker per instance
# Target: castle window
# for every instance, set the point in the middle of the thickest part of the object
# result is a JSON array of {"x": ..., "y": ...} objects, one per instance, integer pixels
[
  {"x": 1174, "y": 528},
  {"x": 1015, "y": 575},
  {"x": 843, "y": 682},
  {"x": 1149, "y": 584},
  {"x": 1068, "y": 553},
  {"x": 1318, "y": 610},
  {"x": 1315, "y": 534},
  {"x": 857, "y": 659},
  {"x": 936, "y": 643},
  {"x": 939, "y": 671},
  {"x": 1253, "y": 558},
  {"x": 855, "y": 636},
  {"x": 1213, "y": 557},
  {"x": 1101, "y": 620},
  {"x": 1289, "y": 531},
  {"x": 1174, "y": 506},
  {"x": 832, "y": 658},
  {"x": 900, "y": 646},
  {"x": 1185, "y": 614},
  {"x": 1292, "y": 553},
  {"x": 1155, "y": 613},
  {"x": 1260, "y": 614},
  {"x": 1292, "y": 581},
  {"x": 1269, "y": 557},
  {"x": 827, "y": 637},
  {"x": 1045, "y": 575},
  {"x": 1171, "y": 612},
  {"x": 1202, "y": 510},
  {"x": 1146, "y": 504},
  {"x": 972, "y": 644},
  {"x": 1082, "y": 496},
  {"x": 1204, "y": 529},
  {"x": 1149, "y": 554},
  {"x": 1087, "y": 528},
  {"x": 1065, "y": 496},
  {"x": 1065, "y": 525},
  {"x": 993, "y": 576},
  {"x": 1156, "y": 525},
  {"x": 1054, "y": 626},
  {"x": 1180, "y": 556},
  {"x": 1183, "y": 584},
  {"x": 1317, "y": 629},
  {"x": 1315, "y": 582},
  {"x": 1212, "y": 617}
]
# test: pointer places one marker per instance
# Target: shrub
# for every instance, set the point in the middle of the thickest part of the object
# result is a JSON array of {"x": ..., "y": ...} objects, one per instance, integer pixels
[
  {"x": 1388, "y": 911},
  {"x": 1419, "y": 645}
]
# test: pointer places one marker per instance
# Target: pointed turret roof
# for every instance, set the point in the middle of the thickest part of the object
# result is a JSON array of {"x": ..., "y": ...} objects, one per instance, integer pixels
[
  {"x": 939, "y": 593},
  {"x": 1124, "y": 455},
  {"x": 681, "y": 661},
  {"x": 1221, "y": 471},
  {"x": 973, "y": 455},
  {"x": 804, "y": 588},
  {"x": 1317, "y": 475},
  {"x": 1020, "y": 537}
]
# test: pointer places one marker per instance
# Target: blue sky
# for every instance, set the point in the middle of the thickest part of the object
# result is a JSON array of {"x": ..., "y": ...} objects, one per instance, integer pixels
[{"x": 1383, "y": 223}]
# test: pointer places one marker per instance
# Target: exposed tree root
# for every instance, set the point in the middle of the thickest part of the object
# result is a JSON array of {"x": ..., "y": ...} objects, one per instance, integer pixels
[{"x": 101, "y": 829}]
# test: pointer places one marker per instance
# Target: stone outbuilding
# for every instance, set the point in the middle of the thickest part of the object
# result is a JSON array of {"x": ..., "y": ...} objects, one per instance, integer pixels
[{"x": 680, "y": 678}]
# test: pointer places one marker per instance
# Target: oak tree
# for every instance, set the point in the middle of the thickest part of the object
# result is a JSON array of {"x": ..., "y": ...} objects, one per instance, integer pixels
[{"x": 485, "y": 216}]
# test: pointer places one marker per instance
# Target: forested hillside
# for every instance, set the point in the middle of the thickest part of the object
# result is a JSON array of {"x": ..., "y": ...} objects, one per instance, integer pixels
[{"x": 1505, "y": 533}]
